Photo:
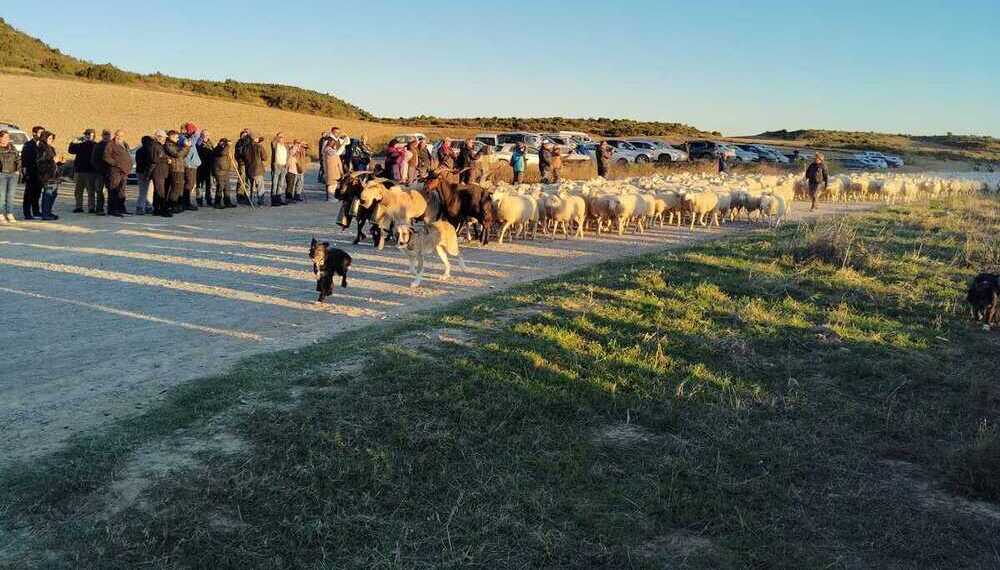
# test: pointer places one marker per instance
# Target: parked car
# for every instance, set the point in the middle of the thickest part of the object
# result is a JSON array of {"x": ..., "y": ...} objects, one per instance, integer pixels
[
  {"x": 620, "y": 156},
  {"x": 700, "y": 150},
  {"x": 855, "y": 164},
  {"x": 530, "y": 139},
  {"x": 743, "y": 156},
  {"x": 407, "y": 137},
  {"x": 566, "y": 144},
  {"x": 17, "y": 136},
  {"x": 766, "y": 153},
  {"x": 890, "y": 160},
  {"x": 627, "y": 150},
  {"x": 660, "y": 151},
  {"x": 489, "y": 139}
]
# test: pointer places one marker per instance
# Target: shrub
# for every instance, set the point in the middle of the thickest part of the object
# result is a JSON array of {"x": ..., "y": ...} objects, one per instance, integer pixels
[{"x": 975, "y": 468}]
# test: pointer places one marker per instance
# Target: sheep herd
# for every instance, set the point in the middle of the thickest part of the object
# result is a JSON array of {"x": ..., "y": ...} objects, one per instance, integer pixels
[{"x": 572, "y": 208}]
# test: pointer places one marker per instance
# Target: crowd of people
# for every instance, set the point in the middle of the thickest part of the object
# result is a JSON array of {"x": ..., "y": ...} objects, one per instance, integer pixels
[{"x": 176, "y": 171}]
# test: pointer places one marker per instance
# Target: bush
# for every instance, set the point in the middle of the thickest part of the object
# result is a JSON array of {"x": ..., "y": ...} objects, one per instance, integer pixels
[
  {"x": 976, "y": 469},
  {"x": 106, "y": 73}
]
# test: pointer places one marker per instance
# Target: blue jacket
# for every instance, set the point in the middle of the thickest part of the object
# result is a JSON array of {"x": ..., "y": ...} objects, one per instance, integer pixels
[
  {"x": 192, "y": 160},
  {"x": 517, "y": 160}
]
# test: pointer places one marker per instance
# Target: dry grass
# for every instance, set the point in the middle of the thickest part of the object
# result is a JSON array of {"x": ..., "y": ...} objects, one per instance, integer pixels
[{"x": 67, "y": 107}]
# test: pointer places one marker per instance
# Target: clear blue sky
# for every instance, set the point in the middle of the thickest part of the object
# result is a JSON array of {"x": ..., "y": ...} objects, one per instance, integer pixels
[{"x": 738, "y": 67}]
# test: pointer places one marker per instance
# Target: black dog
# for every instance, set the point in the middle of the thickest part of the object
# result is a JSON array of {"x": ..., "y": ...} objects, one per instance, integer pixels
[
  {"x": 984, "y": 296},
  {"x": 327, "y": 262}
]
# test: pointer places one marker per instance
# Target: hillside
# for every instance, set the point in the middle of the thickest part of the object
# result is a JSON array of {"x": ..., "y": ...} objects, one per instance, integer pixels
[
  {"x": 602, "y": 126},
  {"x": 951, "y": 147},
  {"x": 67, "y": 107},
  {"x": 19, "y": 51}
]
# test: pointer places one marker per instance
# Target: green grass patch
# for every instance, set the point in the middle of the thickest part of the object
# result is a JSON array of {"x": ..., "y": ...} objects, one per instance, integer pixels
[{"x": 740, "y": 403}]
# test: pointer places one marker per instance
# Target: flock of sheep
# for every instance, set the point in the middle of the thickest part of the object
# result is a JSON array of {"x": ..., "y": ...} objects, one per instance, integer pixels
[{"x": 630, "y": 205}]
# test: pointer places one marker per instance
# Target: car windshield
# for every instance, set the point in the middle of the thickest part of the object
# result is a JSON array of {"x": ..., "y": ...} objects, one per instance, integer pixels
[{"x": 641, "y": 144}]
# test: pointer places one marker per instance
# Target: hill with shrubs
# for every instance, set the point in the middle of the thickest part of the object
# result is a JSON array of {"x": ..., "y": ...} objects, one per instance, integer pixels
[{"x": 949, "y": 146}]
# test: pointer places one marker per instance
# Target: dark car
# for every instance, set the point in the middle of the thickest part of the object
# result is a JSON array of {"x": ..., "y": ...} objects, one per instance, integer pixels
[{"x": 701, "y": 150}]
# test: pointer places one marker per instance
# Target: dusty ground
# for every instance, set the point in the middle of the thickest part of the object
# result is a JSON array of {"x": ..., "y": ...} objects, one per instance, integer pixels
[{"x": 101, "y": 315}]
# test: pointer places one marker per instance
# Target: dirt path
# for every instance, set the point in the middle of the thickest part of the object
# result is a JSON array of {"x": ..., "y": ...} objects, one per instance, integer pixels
[{"x": 101, "y": 315}]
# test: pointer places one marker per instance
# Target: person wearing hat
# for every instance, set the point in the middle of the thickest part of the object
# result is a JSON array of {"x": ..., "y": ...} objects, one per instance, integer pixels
[
  {"x": 86, "y": 177},
  {"x": 815, "y": 175}
]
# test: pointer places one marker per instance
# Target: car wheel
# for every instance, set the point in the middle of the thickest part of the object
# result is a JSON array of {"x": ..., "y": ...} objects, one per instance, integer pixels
[
  {"x": 664, "y": 158},
  {"x": 642, "y": 158},
  {"x": 622, "y": 162}
]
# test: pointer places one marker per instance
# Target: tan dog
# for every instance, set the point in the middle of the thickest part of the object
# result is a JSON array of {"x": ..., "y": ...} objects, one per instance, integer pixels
[{"x": 438, "y": 237}]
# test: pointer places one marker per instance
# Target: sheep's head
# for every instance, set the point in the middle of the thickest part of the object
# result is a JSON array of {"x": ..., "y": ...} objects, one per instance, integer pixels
[{"x": 372, "y": 191}]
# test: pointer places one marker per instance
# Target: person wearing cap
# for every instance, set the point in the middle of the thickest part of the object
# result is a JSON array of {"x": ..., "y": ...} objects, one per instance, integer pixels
[
  {"x": 815, "y": 175},
  {"x": 100, "y": 171},
  {"x": 85, "y": 174}
]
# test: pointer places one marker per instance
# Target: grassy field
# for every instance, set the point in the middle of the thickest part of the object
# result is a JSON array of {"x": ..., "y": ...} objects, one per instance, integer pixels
[
  {"x": 811, "y": 398},
  {"x": 67, "y": 107},
  {"x": 937, "y": 147}
]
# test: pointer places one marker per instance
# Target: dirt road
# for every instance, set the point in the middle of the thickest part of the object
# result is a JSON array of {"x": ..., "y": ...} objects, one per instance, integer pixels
[{"x": 102, "y": 315}]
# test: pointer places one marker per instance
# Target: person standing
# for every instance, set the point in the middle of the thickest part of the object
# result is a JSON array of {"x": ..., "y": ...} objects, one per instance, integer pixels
[
  {"x": 294, "y": 182},
  {"x": 446, "y": 155},
  {"x": 518, "y": 161},
  {"x": 222, "y": 165},
  {"x": 603, "y": 156},
  {"x": 279, "y": 169},
  {"x": 545, "y": 162},
  {"x": 332, "y": 167},
  {"x": 240, "y": 152},
  {"x": 191, "y": 138},
  {"x": 144, "y": 177},
  {"x": 47, "y": 169},
  {"x": 160, "y": 174},
  {"x": 100, "y": 171},
  {"x": 255, "y": 167},
  {"x": 361, "y": 155},
  {"x": 816, "y": 175},
  {"x": 425, "y": 162},
  {"x": 556, "y": 164},
  {"x": 29, "y": 166},
  {"x": 176, "y": 153},
  {"x": 119, "y": 165},
  {"x": 10, "y": 167},
  {"x": 468, "y": 162},
  {"x": 205, "y": 154},
  {"x": 723, "y": 165},
  {"x": 85, "y": 177},
  {"x": 412, "y": 160}
]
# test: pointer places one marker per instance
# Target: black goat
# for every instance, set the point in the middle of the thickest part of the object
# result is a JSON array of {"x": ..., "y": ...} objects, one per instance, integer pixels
[
  {"x": 327, "y": 262},
  {"x": 458, "y": 203}
]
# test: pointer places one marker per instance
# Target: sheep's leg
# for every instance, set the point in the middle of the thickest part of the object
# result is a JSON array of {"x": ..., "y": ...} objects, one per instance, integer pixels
[
  {"x": 638, "y": 224},
  {"x": 566, "y": 228},
  {"x": 694, "y": 218},
  {"x": 461, "y": 262},
  {"x": 503, "y": 230},
  {"x": 579, "y": 229},
  {"x": 715, "y": 216},
  {"x": 444, "y": 259}
]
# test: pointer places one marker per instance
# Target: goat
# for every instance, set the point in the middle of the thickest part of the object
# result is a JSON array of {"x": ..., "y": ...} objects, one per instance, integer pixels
[
  {"x": 397, "y": 205},
  {"x": 458, "y": 203}
]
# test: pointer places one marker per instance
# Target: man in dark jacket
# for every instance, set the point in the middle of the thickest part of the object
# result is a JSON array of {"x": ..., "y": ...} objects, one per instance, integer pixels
[
  {"x": 222, "y": 165},
  {"x": 255, "y": 160},
  {"x": 48, "y": 171},
  {"x": 83, "y": 168},
  {"x": 175, "y": 156},
  {"x": 160, "y": 174},
  {"x": 468, "y": 162},
  {"x": 241, "y": 151},
  {"x": 32, "y": 186},
  {"x": 119, "y": 165},
  {"x": 205, "y": 148},
  {"x": 100, "y": 171},
  {"x": 723, "y": 166},
  {"x": 446, "y": 155},
  {"x": 815, "y": 175},
  {"x": 603, "y": 156}
]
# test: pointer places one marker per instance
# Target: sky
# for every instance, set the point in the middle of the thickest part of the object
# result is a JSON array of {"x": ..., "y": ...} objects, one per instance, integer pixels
[{"x": 739, "y": 67}]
